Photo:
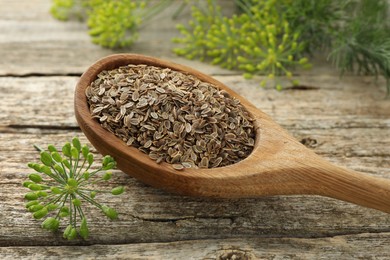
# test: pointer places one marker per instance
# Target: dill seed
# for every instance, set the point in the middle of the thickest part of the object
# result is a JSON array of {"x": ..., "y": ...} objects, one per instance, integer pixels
[{"x": 171, "y": 116}]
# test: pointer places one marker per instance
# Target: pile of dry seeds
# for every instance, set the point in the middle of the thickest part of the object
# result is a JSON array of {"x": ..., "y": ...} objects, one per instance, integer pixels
[{"x": 171, "y": 116}]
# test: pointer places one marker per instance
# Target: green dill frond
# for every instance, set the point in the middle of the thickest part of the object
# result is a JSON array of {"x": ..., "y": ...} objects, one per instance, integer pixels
[{"x": 363, "y": 44}]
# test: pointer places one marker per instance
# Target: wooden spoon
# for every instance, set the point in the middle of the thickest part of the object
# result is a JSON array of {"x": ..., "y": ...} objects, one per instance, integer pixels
[{"x": 278, "y": 165}]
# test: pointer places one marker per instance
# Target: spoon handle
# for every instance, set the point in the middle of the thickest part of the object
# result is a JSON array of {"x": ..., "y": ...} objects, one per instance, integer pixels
[{"x": 354, "y": 187}]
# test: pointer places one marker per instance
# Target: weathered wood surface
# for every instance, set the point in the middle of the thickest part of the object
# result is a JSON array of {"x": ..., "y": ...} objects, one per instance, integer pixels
[
  {"x": 32, "y": 42},
  {"x": 347, "y": 121},
  {"x": 339, "y": 247}
]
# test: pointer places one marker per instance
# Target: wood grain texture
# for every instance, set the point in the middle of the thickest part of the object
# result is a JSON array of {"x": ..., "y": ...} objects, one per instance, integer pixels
[
  {"x": 339, "y": 247},
  {"x": 151, "y": 215},
  {"x": 198, "y": 218},
  {"x": 347, "y": 121},
  {"x": 33, "y": 42}
]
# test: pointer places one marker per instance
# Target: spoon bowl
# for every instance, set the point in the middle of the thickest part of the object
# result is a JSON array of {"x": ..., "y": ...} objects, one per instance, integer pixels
[{"x": 278, "y": 164}]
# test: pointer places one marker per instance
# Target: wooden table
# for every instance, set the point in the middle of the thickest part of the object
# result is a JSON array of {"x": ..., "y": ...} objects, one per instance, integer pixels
[{"x": 344, "y": 120}]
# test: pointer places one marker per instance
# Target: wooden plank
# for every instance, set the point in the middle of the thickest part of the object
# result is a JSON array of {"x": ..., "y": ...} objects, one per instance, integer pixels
[
  {"x": 364, "y": 150},
  {"x": 151, "y": 215},
  {"x": 364, "y": 246},
  {"x": 33, "y": 42},
  {"x": 349, "y": 104}
]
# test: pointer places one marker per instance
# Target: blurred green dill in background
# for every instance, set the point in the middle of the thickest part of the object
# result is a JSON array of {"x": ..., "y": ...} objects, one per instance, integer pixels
[{"x": 263, "y": 37}]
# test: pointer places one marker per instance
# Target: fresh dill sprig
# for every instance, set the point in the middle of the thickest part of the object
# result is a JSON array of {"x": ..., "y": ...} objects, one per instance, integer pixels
[
  {"x": 112, "y": 23},
  {"x": 363, "y": 44},
  {"x": 259, "y": 40},
  {"x": 62, "y": 183}
]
